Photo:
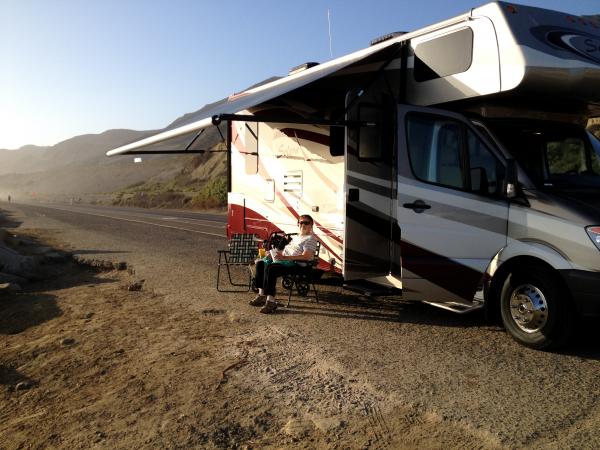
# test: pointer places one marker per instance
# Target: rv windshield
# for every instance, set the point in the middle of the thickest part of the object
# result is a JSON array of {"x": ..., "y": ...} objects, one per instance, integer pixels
[{"x": 554, "y": 155}]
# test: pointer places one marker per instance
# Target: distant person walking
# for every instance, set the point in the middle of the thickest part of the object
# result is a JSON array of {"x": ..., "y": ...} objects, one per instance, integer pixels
[{"x": 8, "y": 198}]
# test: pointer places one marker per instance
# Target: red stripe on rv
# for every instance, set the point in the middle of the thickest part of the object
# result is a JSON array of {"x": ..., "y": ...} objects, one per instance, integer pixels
[
  {"x": 317, "y": 138},
  {"x": 265, "y": 175},
  {"x": 249, "y": 221},
  {"x": 311, "y": 136},
  {"x": 296, "y": 215}
]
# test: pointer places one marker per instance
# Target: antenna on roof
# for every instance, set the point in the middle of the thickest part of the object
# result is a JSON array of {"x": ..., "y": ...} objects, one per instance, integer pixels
[{"x": 329, "y": 28}]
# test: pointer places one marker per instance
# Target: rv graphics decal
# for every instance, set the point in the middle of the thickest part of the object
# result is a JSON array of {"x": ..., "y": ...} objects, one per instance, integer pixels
[{"x": 584, "y": 45}]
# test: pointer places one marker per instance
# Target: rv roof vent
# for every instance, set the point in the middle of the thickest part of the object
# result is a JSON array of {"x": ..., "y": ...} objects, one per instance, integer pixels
[
  {"x": 387, "y": 37},
  {"x": 301, "y": 67}
]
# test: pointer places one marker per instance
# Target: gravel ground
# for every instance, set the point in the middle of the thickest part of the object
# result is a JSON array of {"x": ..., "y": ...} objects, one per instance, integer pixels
[{"x": 348, "y": 372}]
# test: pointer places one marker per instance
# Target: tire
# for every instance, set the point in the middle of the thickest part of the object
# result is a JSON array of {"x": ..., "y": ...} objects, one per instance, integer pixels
[
  {"x": 287, "y": 282},
  {"x": 535, "y": 309},
  {"x": 302, "y": 287}
]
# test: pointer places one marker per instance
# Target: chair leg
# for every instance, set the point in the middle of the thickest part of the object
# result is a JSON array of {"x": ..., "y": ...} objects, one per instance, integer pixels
[
  {"x": 290, "y": 294},
  {"x": 219, "y": 272},
  {"x": 228, "y": 270},
  {"x": 247, "y": 286}
]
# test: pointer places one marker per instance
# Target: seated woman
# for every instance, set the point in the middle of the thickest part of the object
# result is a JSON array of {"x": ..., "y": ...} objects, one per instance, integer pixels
[{"x": 301, "y": 248}]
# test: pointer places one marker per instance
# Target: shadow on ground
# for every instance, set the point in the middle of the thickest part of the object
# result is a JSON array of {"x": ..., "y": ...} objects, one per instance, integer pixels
[
  {"x": 8, "y": 220},
  {"x": 338, "y": 303},
  {"x": 22, "y": 311},
  {"x": 35, "y": 304},
  {"x": 11, "y": 377}
]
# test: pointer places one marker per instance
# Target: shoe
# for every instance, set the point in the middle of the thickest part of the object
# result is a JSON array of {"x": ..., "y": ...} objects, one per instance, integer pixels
[
  {"x": 259, "y": 300},
  {"x": 269, "y": 308}
]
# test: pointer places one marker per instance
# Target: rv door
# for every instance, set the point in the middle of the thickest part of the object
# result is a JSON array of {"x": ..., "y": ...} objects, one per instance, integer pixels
[
  {"x": 371, "y": 244},
  {"x": 452, "y": 210}
]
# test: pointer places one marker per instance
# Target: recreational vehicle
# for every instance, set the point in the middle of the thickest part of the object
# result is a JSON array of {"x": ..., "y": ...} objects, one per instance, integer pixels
[{"x": 449, "y": 165}]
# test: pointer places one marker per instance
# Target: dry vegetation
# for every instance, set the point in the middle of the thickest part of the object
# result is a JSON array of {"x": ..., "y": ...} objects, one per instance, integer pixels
[{"x": 201, "y": 184}]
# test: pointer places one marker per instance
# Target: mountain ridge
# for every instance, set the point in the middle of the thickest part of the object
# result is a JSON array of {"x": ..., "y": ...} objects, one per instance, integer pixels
[{"x": 78, "y": 167}]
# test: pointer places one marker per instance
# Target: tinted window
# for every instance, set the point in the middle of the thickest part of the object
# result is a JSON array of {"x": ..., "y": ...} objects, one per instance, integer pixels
[
  {"x": 595, "y": 152},
  {"x": 448, "y": 153},
  {"x": 443, "y": 56},
  {"x": 554, "y": 155},
  {"x": 566, "y": 156},
  {"x": 435, "y": 150},
  {"x": 487, "y": 174}
]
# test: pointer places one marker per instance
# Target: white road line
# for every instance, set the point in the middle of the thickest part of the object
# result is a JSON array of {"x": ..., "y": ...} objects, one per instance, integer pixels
[
  {"x": 195, "y": 221},
  {"x": 157, "y": 216},
  {"x": 135, "y": 221}
]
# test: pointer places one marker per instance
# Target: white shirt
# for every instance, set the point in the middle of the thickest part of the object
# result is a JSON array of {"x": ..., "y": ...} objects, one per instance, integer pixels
[{"x": 300, "y": 244}]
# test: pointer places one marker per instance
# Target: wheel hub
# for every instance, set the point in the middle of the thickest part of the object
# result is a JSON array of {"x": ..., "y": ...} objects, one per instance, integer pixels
[{"x": 528, "y": 308}]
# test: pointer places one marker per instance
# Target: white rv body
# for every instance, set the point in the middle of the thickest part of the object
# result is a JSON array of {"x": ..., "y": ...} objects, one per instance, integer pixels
[{"x": 447, "y": 185}]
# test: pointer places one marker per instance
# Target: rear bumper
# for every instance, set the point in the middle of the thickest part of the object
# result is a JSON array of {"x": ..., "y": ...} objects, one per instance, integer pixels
[{"x": 585, "y": 289}]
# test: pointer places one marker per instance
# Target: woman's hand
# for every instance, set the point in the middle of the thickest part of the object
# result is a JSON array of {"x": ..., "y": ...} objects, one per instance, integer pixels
[{"x": 278, "y": 256}]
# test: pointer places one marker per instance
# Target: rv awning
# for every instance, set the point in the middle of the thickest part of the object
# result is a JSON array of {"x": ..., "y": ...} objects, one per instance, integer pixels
[{"x": 257, "y": 95}]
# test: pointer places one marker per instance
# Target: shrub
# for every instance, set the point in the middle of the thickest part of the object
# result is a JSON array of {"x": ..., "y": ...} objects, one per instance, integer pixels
[{"x": 212, "y": 195}]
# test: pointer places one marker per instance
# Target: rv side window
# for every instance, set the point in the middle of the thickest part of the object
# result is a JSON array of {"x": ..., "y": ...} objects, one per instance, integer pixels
[
  {"x": 270, "y": 191},
  {"x": 251, "y": 143},
  {"x": 446, "y": 152},
  {"x": 444, "y": 56}
]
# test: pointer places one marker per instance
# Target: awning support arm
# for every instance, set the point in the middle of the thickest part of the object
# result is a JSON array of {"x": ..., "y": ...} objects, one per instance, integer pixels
[
  {"x": 219, "y": 130},
  {"x": 194, "y": 140}
]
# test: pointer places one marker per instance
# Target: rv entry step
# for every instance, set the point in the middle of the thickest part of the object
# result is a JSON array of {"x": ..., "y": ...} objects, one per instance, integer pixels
[{"x": 371, "y": 289}]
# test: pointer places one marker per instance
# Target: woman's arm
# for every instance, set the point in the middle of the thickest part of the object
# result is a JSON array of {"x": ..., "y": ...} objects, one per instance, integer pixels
[{"x": 306, "y": 256}]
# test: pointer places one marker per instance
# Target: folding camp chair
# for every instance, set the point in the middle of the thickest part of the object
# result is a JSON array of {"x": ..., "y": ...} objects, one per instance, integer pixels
[
  {"x": 243, "y": 249},
  {"x": 302, "y": 277}
]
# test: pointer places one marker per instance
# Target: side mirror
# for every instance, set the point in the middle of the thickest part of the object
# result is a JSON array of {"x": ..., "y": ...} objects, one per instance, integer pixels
[
  {"x": 512, "y": 178},
  {"x": 337, "y": 136}
]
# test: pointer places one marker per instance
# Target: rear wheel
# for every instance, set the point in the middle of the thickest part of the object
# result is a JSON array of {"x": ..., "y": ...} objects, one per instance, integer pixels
[
  {"x": 302, "y": 288},
  {"x": 287, "y": 282},
  {"x": 535, "y": 309}
]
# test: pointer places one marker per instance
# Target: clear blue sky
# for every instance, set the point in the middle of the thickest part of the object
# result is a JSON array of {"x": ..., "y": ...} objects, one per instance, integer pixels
[{"x": 70, "y": 67}]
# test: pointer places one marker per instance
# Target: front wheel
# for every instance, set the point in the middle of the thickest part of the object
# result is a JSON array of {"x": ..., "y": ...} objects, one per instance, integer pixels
[{"x": 535, "y": 309}]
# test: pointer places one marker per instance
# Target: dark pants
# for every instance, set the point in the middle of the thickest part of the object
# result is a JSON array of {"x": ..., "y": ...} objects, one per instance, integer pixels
[{"x": 267, "y": 274}]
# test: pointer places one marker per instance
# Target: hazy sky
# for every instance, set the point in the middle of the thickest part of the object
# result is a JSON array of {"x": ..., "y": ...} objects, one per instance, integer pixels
[{"x": 70, "y": 67}]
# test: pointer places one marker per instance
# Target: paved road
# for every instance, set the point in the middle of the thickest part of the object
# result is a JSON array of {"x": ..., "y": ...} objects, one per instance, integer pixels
[
  {"x": 452, "y": 369},
  {"x": 194, "y": 222}
]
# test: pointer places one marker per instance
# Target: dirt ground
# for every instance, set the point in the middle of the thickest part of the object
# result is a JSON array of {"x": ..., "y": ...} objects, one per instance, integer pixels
[{"x": 87, "y": 363}]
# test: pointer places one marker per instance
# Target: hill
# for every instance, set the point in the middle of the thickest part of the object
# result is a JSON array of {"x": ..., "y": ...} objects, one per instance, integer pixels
[{"x": 78, "y": 168}]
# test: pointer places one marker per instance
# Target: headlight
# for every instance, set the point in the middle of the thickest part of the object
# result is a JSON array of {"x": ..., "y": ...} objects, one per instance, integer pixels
[{"x": 594, "y": 234}]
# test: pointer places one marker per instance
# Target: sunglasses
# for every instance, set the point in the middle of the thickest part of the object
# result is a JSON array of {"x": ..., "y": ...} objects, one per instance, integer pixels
[{"x": 304, "y": 222}]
